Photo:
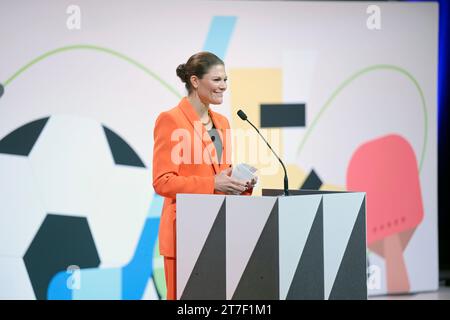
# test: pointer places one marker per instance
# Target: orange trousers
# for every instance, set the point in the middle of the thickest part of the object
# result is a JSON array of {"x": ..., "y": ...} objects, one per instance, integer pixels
[{"x": 170, "y": 271}]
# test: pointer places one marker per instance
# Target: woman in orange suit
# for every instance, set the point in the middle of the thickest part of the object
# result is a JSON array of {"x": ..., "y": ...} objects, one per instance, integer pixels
[{"x": 192, "y": 149}]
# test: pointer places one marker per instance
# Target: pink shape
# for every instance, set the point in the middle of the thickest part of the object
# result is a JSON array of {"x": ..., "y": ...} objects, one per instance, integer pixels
[{"x": 386, "y": 169}]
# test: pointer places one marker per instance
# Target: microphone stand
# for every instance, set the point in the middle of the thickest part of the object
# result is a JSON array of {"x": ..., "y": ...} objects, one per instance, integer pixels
[{"x": 286, "y": 184}]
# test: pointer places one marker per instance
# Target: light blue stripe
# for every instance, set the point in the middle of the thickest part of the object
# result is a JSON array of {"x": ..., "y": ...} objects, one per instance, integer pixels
[
  {"x": 137, "y": 273},
  {"x": 155, "y": 209},
  {"x": 219, "y": 35}
]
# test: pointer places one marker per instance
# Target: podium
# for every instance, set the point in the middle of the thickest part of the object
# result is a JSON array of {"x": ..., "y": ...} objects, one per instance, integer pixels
[{"x": 309, "y": 245}]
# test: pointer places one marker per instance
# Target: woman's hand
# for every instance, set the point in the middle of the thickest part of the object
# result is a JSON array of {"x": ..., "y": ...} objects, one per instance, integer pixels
[
  {"x": 252, "y": 183},
  {"x": 224, "y": 183}
]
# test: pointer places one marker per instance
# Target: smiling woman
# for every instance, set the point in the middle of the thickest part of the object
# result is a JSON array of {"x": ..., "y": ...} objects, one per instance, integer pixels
[{"x": 205, "y": 133}]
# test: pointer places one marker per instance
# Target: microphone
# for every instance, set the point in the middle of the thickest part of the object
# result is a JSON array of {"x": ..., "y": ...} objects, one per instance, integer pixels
[{"x": 243, "y": 116}]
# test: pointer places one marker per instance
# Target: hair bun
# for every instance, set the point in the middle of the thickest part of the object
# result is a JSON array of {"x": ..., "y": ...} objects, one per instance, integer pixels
[{"x": 181, "y": 72}]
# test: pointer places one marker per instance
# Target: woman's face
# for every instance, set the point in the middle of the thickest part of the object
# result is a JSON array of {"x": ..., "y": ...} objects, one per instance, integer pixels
[{"x": 211, "y": 87}]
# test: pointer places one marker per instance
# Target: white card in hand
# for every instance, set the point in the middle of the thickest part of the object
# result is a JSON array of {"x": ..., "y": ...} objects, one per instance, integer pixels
[{"x": 243, "y": 172}]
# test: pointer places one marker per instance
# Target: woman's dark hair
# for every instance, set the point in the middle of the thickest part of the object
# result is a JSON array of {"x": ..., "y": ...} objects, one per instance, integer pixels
[{"x": 197, "y": 65}]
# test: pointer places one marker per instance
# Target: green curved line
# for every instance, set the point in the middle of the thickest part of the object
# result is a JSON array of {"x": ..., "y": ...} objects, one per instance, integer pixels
[
  {"x": 353, "y": 77},
  {"x": 96, "y": 48}
]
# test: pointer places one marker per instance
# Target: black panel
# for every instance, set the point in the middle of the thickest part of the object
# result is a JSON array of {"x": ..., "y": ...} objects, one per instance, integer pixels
[
  {"x": 312, "y": 181},
  {"x": 21, "y": 141},
  {"x": 122, "y": 153},
  {"x": 60, "y": 242},
  {"x": 351, "y": 279},
  {"x": 2, "y": 90},
  {"x": 282, "y": 115},
  {"x": 260, "y": 280},
  {"x": 208, "y": 278},
  {"x": 308, "y": 281}
]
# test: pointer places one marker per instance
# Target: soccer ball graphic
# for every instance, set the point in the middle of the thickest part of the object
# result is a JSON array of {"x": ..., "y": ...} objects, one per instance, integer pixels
[{"x": 75, "y": 196}]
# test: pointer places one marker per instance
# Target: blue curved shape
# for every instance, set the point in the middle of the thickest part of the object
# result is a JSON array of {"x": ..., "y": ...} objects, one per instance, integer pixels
[
  {"x": 128, "y": 282},
  {"x": 57, "y": 289},
  {"x": 136, "y": 274}
]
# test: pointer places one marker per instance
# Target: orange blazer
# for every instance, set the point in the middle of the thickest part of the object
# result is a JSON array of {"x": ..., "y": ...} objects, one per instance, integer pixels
[{"x": 194, "y": 176}]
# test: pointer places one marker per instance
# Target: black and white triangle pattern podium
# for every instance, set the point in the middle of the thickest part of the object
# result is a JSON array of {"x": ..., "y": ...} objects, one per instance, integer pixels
[{"x": 310, "y": 245}]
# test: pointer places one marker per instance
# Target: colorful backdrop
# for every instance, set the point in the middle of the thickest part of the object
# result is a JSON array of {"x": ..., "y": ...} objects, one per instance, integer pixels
[{"x": 346, "y": 93}]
